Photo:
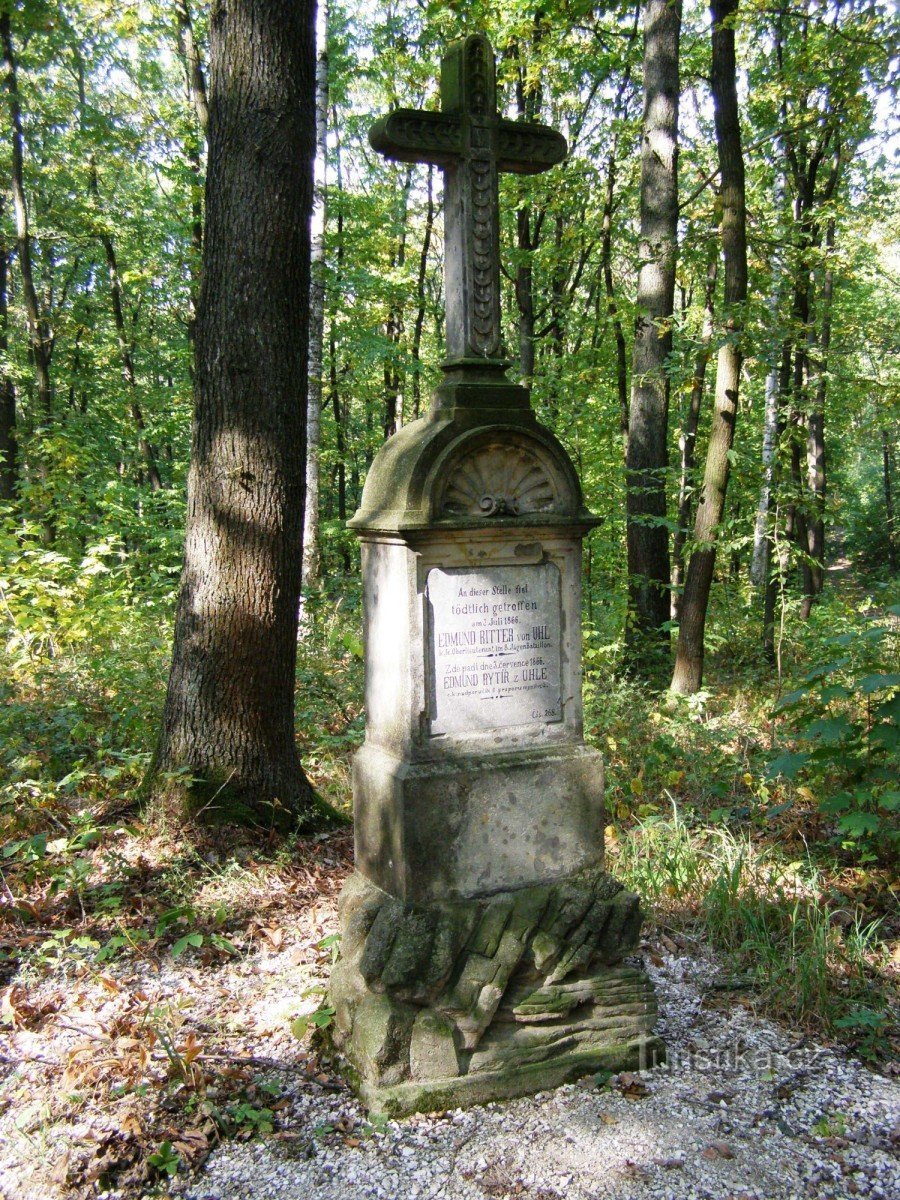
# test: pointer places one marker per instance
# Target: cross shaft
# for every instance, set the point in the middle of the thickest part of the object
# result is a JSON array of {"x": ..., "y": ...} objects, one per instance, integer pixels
[{"x": 471, "y": 142}]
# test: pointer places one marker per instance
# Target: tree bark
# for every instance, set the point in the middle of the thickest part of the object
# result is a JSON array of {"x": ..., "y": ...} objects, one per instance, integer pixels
[
  {"x": 612, "y": 308},
  {"x": 647, "y": 458},
  {"x": 887, "y": 472},
  {"x": 9, "y": 465},
  {"x": 227, "y": 748},
  {"x": 777, "y": 556},
  {"x": 687, "y": 442},
  {"x": 759, "y": 563},
  {"x": 419, "y": 324},
  {"x": 195, "y": 85},
  {"x": 39, "y": 336},
  {"x": 195, "y": 76},
  {"x": 688, "y": 674},
  {"x": 311, "y": 555},
  {"x": 815, "y": 442}
]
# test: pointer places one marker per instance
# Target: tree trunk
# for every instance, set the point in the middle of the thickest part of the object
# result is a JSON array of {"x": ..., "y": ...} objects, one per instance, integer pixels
[
  {"x": 39, "y": 337},
  {"x": 227, "y": 748},
  {"x": 777, "y": 552},
  {"x": 612, "y": 308},
  {"x": 528, "y": 229},
  {"x": 195, "y": 85},
  {"x": 886, "y": 464},
  {"x": 311, "y": 557},
  {"x": 393, "y": 375},
  {"x": 647, "y": 457},
  {"x": 687, "y": 442},
  {"x": 148, "y": 452},
  {"x": 815, "y": 443},
  {"x": 419, "y": 325},
  {"x": 688, "y": 674},
  {"x": 759, "y": 563},
  {"x": 9, "y": 467},
  {"x": 195, "y": 77}
]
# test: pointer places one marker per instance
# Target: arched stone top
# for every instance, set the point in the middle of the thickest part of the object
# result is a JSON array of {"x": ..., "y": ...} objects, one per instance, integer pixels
[
  {"x": 503, "y": 473},
  {"x": 456, "y": 474}
]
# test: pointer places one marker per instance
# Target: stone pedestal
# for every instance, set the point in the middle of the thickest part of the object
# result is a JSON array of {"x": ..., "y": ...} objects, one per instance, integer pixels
[{"x": 483, "y": 942}]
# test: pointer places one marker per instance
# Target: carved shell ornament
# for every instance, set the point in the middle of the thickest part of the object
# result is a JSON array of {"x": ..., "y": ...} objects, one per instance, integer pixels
[{"x": 498, "y": 480}]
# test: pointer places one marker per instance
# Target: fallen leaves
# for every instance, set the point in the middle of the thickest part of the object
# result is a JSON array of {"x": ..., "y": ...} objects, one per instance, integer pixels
[
  {"x": 716, "y": 1151},
  {"x": 631, "y": 1086},
  {"x": 20, "y": 1012}
]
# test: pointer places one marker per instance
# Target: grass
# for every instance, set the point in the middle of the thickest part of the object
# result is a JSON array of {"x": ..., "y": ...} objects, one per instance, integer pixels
[{"x": 812, "y": 962}]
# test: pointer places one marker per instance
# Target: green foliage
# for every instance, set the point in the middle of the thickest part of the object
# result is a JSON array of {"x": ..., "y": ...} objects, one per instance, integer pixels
[{"x": 844, "y": 722}]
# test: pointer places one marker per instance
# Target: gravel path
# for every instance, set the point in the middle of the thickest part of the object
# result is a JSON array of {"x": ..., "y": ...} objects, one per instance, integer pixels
[{"x": 742, "y": 1110}]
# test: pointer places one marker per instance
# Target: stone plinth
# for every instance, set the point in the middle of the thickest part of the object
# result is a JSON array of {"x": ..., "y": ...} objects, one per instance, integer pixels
[{"x": 465, "y": 1001}]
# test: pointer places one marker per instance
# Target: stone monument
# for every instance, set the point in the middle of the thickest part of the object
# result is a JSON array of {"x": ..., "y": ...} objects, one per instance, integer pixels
[{"x": 483, "y": 942}]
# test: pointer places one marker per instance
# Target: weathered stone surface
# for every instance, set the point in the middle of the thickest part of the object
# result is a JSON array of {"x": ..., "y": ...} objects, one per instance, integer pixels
[
  {"x": 432, "y": 996},
  {"x": 463, "y": 826},
  {"x": 432, "y": 1047}
]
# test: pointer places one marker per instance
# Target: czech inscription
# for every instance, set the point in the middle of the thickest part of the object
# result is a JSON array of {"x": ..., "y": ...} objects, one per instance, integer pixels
[{"x": 495, "y": 647}]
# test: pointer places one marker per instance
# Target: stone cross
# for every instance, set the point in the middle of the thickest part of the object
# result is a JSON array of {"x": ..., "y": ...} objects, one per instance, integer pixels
[{"x": 472, "y": 143}]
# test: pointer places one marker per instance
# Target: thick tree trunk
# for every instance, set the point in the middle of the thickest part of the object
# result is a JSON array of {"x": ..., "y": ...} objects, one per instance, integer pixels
[
  {"x": 647, "y": 457},
  {"x": 687, "y": 442},
  {"x": 227, "y": 749},
  {"x": 9, "y": 467},
  {"x": 311, "y": 555},
  {"x": 688, "y": 674}
]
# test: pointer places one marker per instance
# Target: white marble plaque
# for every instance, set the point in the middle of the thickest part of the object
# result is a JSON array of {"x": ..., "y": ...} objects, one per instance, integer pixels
[{"x": 494, "y": 647}]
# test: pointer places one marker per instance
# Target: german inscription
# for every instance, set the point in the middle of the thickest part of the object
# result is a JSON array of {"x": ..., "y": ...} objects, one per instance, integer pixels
[{"x": 495, "y": 647}]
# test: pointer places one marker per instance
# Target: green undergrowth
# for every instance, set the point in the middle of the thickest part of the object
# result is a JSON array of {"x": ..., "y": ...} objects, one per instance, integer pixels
[
  {"x": 760, "y": 816},
  {"x": 797, "y": 934}
]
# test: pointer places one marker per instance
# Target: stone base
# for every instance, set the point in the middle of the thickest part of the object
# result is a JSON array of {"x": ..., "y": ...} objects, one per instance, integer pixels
[{"x": 473, "y": 1000}]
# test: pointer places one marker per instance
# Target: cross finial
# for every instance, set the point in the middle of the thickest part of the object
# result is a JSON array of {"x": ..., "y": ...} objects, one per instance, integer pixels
[{"x": 471, "y": 142}]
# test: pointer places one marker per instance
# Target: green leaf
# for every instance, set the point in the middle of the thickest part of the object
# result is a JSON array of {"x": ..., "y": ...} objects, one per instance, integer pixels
[
  {"x": 829, "y": 668},
  {"x": 189, "y": 939},
  {"x": 779, "y": 809},
  {"x": 786, "y": 764},
  {"x": 791, "y": 700},
  {"x": 829, "y": 731},
  {"x": 835, "y": 804},
  {"x": 887, "y": 736},
  {"x": 876, "y": 683},
  {"x": 858, "y": 824},
  {"x": 222, "y": 943}
]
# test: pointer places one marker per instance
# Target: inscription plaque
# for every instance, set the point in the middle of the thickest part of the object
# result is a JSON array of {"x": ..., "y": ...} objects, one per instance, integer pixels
[{"x": 494, "y": 647}]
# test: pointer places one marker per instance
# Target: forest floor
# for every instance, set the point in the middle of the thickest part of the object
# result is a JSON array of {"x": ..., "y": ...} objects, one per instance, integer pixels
[
  {"x": 124, "y": 1079},
  {"x": 160, "y": 994}
]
